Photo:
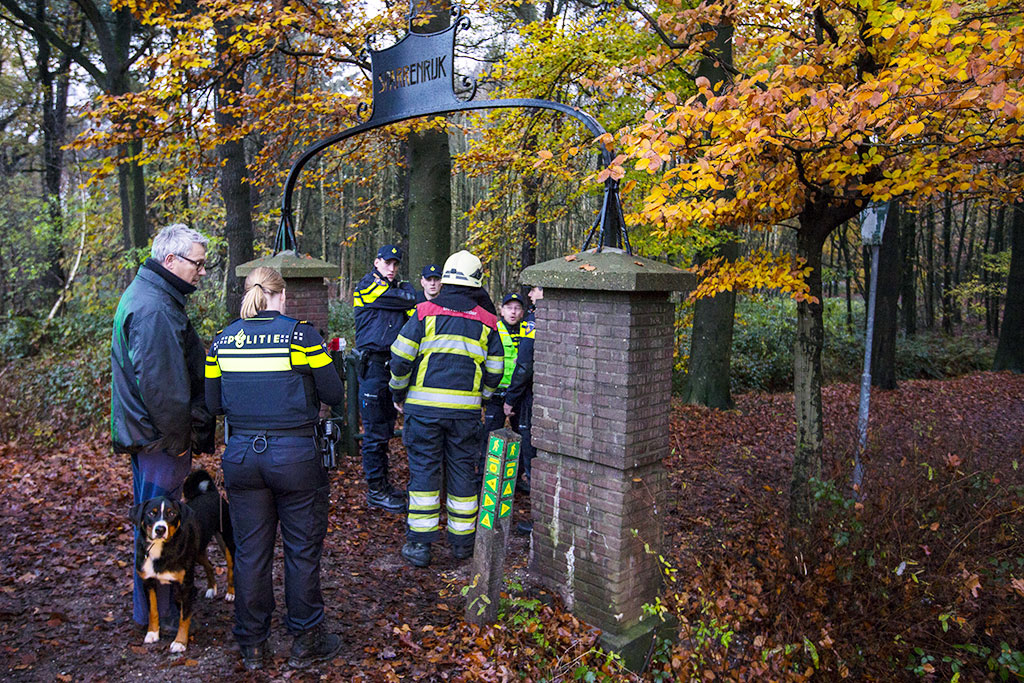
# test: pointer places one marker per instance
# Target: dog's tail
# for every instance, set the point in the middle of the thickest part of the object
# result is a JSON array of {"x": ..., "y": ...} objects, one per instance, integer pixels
[{"x": 196, "y": 484}]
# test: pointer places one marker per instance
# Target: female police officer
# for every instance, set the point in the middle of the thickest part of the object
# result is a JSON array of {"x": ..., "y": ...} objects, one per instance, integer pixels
[{"x": 267, "y": 374}]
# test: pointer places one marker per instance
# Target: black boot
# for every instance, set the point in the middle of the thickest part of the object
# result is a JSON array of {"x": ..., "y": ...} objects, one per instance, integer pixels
[
  {"x": 416, "y": 554},
  {"x": 314, "y": 645},
  {"x": 255, "y": 656},
  {"x": 380, "y": 494}
]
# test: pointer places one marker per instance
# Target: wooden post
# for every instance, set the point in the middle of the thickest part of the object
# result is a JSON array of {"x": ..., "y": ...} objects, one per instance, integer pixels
[{"x": 500, "y": 470}]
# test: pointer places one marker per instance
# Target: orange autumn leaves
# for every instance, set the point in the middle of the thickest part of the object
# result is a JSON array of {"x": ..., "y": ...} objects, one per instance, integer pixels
[
  {"x": 871, "y": 103},
  {"x": 759, "y": 270}
]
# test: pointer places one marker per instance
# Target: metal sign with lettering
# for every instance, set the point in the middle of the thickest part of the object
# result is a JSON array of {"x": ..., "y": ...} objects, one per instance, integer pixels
[{"x": 415, "y": 77}]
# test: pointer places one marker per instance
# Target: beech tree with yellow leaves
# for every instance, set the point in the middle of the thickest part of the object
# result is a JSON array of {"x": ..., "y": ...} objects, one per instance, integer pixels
[{"x": 830, "y": 106}]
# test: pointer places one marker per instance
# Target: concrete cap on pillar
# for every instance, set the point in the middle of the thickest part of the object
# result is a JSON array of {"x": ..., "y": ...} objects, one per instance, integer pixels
[
  {"x": 610, "y": 270},
  {"x": 290, "y": 266}
]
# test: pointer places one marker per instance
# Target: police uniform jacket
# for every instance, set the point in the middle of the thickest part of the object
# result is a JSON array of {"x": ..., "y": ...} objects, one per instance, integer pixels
[
  {"x": 270, "y": 372},
  {"x": 521, "y": 384},
  {"x": 448, "y": 357},
  {"x": 156, "y": 384},
  {"x": 381, "y": 308},
  {"x": 510, "y": 335}
]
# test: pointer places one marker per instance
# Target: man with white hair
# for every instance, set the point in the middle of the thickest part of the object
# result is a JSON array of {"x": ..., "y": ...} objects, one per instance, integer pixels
[{"x": 158, "y": 412}]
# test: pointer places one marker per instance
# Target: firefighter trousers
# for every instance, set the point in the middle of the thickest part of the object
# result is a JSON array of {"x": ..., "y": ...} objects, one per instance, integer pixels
[{"x": 448, "y": 446}]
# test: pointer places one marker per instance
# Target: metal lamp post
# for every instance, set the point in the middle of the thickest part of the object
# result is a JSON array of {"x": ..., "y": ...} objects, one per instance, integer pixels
[{"x": 871, "y": 227}]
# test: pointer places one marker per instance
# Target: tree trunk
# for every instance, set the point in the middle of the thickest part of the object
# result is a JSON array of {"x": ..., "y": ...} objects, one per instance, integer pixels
[
  {"x": 234, "y": 189},
  {"x": 807, "y": 376},
  {"x": 908, "y": 239},
  {"x": 883, "y": 343},
  {"x": 707, "y": 381},
  {"x": 55, "y": 111},
  {"x": 528, "y": 247},
  {"x": 132, "y": 191},
  {"x": 929, "y": 250},
  {"x": 947, "y": 265},
  {"x": 999, "y": 246},
  {"x": 113, "y": 30},
  {"x": 1010, "y": 351},
  {"x": 430, "y": 170},
  {"x": 844, "y": 247}
]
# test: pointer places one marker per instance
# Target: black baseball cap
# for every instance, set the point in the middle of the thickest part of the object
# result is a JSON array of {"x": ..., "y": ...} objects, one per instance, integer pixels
[
  {"x": 513, "y": 297},
  {"x": 390, "y": 251},
  {"x": 430, "y": 270}
]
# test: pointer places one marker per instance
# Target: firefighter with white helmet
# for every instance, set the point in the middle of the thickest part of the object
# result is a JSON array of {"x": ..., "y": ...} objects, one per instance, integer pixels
[{"x": 446, "y": 361}]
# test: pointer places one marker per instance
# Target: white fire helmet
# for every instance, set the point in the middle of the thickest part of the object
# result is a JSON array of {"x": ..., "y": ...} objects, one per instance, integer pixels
[{"x": 462, "y": 268}]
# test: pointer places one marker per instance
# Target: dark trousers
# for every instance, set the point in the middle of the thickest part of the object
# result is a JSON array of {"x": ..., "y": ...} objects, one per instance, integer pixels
[
  {"x": 494, "y": 415},
  {"x": 494, "y": 418},
  {"x": 155, "y": 474},
  {"x": 451, "y": 446},
  {"x": 525, "y": 431},
  {"x": 285, "y": 483},
  {"x": 377, "y": 411}
]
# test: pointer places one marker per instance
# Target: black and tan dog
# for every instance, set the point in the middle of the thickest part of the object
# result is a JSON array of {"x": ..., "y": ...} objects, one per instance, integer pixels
[
  {"x": 172, "y": 538},
  {"x": 211, "y": 511}
]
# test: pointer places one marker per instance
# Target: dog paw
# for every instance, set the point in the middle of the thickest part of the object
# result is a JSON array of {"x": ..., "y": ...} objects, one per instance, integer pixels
[
  {"x": 177, "y": 647},
  {"x": 152, "y": 637},
  {"x": 211, "y": 592},
  {"x": 229, "y": 597}
]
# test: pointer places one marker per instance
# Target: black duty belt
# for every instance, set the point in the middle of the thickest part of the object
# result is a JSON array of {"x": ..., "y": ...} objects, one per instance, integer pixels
[
  {"x": 294, "y": 431},
  {"x": 379, "y": 356}
]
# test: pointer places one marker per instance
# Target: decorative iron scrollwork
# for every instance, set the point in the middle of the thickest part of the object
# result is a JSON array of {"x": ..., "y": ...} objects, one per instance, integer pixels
[
  {"x": 361, "y": 109},
  {"x": 459, "y": 19},
  {"x": 469, "y": 84}
]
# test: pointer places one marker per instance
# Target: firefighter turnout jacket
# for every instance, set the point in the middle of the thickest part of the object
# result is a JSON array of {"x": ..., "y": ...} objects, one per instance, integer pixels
[
  {"x": 447, "y": 358},
  {"x": 261, "y": 373},
  {"x": 381, "y": 308}
]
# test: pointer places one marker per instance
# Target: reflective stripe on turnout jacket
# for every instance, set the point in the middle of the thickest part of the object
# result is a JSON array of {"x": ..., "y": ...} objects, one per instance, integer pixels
[{"x": 445, "y": 362}]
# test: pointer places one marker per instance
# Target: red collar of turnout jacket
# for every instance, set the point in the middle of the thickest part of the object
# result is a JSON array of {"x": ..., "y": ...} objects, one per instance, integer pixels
[{"x": 471, "y": 303}]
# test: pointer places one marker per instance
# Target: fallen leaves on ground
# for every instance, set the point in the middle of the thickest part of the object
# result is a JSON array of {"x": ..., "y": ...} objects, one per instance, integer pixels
[{"x": 938, "y": 500}]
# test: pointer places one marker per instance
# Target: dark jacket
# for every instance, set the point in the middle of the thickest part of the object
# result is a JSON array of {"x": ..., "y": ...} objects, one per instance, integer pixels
[
  {"x": 448, "y": 357},
  {"x": 521, "y": 386},
  {"x": 270, "y": 372},
  {"x": 156, "y": 360},
  {"x": 381, "y": 308}
]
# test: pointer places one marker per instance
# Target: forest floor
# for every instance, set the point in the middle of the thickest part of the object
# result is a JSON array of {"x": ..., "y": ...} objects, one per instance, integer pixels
[{"x": 929, "y": 565}]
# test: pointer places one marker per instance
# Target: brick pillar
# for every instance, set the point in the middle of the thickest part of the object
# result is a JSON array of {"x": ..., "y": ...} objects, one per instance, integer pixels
[
  {"x": 306, "y": 299},
  {"x": 304, "y": 282},
  {"x": 602, "y": 385}
]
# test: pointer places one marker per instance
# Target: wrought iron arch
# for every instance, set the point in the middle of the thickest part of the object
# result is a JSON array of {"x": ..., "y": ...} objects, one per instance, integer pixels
[{"x": 403, "y": 76}]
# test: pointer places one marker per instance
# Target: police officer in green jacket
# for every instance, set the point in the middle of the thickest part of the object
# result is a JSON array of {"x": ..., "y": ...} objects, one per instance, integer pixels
[{"x": 510, "y": 330}]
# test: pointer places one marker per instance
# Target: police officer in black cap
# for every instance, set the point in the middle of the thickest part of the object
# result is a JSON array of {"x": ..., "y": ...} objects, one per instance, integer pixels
[
  {"x": 511, "y": 329},
  {"x": 382, "y": 305},
  {"x": 430, "y": 283},
  {"x": 519, "y": 395}
]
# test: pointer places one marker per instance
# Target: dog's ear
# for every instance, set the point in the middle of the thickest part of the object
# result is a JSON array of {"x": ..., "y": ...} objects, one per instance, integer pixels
[{"x": 136, "y": 514}]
